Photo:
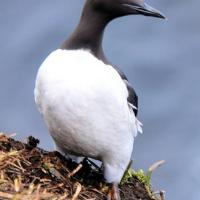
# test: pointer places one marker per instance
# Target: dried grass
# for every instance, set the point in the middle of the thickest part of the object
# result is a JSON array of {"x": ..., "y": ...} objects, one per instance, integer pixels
[{"x": 30, "y": 173}]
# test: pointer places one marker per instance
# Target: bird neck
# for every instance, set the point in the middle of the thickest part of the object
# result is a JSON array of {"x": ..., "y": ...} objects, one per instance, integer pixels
[{"x": 89, "y": 34}]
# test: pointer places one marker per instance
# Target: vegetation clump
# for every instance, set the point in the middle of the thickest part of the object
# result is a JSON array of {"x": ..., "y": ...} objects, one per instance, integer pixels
[{"x": 28, "y": 172}]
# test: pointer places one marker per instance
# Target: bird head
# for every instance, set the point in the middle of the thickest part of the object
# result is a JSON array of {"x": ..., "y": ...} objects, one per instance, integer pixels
[{"x": 119, "y": 8}]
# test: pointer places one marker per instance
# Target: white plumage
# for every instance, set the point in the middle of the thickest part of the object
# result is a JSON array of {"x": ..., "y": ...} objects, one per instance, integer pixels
[{"x": 84, "y": 104}]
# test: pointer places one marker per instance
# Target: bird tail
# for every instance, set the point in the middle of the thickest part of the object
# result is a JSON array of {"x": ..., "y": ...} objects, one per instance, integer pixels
[{"x": 138, "y": 126}]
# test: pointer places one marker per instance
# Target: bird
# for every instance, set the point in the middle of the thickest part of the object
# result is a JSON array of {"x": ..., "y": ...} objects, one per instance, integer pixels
[{"x": 87, "y": 103}]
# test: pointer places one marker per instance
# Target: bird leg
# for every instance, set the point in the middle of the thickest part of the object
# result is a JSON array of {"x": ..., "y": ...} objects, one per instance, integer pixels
[{"x": 113, "y": 193}]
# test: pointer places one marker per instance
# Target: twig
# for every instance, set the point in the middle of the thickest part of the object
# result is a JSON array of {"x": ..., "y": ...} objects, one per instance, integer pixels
[
  {"x": 17, "y": 184},
  {"x": 75, "y": 171},
  {"x": 16, "y": 166},
  {"x": 78, "y": 190},
  {"x": 159, "y": 194},
  {"x": 63, "y": 197},
  {"x": 156, "y": 165},
  {"x": 31, "y": 189},
  {"x": 6, "y": 195},
  {"x": 38, "y": 192},
  {"x": 162, "y": 195}
]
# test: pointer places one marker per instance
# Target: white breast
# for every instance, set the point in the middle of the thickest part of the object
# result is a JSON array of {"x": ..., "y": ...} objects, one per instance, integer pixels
[{"x": 84, "y": 104}]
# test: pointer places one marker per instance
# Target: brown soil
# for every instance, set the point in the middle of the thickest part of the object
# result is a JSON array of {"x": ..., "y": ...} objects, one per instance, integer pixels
[{"x": 30, "y": 173}]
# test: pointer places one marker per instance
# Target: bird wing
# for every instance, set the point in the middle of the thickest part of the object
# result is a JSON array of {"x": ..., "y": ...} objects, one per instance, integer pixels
[{"x": 132, "y": 98}]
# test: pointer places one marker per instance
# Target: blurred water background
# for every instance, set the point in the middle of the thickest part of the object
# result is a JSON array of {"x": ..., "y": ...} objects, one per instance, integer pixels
[{"x": 160, "y": 58}]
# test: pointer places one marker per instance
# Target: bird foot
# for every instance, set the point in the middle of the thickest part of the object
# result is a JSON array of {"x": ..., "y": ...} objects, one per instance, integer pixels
[{"x": 113, "y": 193}]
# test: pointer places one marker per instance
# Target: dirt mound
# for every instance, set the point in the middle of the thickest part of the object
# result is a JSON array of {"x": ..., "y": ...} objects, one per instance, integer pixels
[{"x": 30, "y": 173}]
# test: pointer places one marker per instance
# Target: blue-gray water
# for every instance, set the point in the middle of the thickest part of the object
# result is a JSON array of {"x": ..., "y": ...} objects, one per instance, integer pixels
[{"x": 161, "y": 59}]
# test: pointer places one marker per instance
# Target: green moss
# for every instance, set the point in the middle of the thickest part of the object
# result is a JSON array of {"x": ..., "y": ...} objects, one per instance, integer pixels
[{"x": 143, "y": 177}]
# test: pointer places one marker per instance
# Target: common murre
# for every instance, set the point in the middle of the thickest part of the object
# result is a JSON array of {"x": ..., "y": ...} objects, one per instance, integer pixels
[{"x": 87, "y": 104}]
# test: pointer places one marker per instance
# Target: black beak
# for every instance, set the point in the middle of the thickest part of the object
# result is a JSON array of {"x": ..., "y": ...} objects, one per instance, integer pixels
[{"x": 144, "y": 9}]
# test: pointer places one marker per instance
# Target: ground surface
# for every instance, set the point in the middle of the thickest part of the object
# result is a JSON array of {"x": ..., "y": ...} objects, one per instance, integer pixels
[{"x": 30, "y": 173}]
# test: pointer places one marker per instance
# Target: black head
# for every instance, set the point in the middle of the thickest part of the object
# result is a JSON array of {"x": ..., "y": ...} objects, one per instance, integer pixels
[{"x": 118, "y": 8}]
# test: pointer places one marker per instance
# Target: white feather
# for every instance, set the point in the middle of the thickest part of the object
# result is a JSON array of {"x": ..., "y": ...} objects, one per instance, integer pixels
[{"x": 84, "y": 104}]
